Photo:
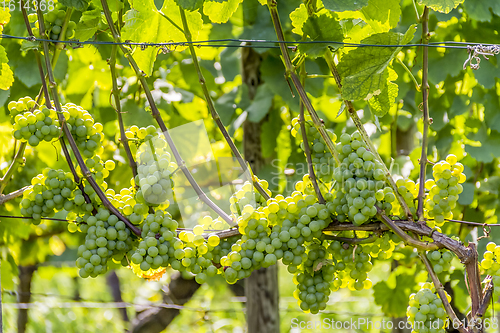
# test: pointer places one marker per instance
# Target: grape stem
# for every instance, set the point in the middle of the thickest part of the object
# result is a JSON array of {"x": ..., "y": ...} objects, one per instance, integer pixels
[
  {"x": 6, "y": 197},
  {"x": 307, "y": 149},
  {"x": 370, "y": 239},
  {"x": 85, "y": 171},
  {"x": 290, "y": 72},
  {"x": 118, "y": 108},
  {"x": 404, "y": 236},
  {"x": 156, "y": 115},
  {"x": 45, "y": 92},
  {"x": 211, "y": 106},
  {"x": 425, "y": 107},
  {"x": 18, "y": 160},
  {"x": 442, "y": 295},
  {"x": 366, "y": 137},
  {"x": 487, "y": 294}
]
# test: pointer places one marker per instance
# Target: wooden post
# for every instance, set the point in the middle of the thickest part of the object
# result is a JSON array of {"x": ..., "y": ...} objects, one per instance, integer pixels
[{"x": 261, "y": 287}]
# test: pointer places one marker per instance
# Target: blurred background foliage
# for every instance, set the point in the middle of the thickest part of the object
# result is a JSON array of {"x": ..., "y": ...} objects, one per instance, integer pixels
[{"x": 464, "y": 107}]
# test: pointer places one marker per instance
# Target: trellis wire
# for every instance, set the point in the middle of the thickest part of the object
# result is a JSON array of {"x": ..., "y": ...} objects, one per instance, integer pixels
[{"x": 251, "y": 43}]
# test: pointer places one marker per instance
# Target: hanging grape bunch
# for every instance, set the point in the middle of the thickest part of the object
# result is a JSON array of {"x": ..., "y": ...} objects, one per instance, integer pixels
[
  {"x": 53, "y": 23},
  {"x": 490, "y": 265},
  {"x": 444, "y": 189},
  {"x": 31, "y": 124},
  {"x": 425, "y": 310},
  {"x": 360, "y": 182},
  {"x": 154, "y": 172},
  {"x": 322, "y": 159}
]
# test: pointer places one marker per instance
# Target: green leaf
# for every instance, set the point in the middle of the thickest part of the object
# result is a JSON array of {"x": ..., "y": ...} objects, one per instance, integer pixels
[
  {"x": 6, "y": 75},
  {"x": 80, "y": 5},
  {"x": 88, "y": 24},
  {"x": 488, "y": 149},
  {"x": 394, "y": 300},
  {"x": 443, "y": 6},
  {"x": 382, "y": 15},
  {"x": 144, "y": 23},
  {"x": 480, "y": 10},
  {"x": 261, "y": 104},
  {"x": 263, "y": 2},
  {"x": 114, "y": 5},
  {"x": 467, "y": 196},
  {"x": 381, "y": 103},
  {"x": 298, "y": 17},
  {"x": 226, "y": 106},
  {"x": 189, "y": 4},
  {"x": 27, "y": 45},
  {"x": 219, "y": 11},
  {"x": 321, "y": 26},
  {"x": 363, "y": 69},
  {"x": 344, "y": 5}
]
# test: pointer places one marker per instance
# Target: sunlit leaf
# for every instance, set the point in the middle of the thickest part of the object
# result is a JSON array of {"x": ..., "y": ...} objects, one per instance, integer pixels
[
  {"x": 219, "y": 11},
  {"x": 443, "y": 6}
]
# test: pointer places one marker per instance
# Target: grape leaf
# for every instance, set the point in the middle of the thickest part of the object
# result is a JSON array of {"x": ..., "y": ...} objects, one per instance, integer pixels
[
  {"x": 443, "y": 6},
  {"x": 189, "y": 4},
  {"x": 382, "y": 15},
  {"x": 80, "y": 5},
  {"x": 261, "y": 104},
  {"x": 381, "y": 103},
  {"x": 321, "y": 26},
  {"x": 4, "y": 17},
  {"x": 114, "y": 5},
  {"x": 144, "y": 23},
  {"x": 6, "y": 75},
  {"x": 88, "y": 24},
  {"x": 27, "y": 45},
  {"x": 363, "y": 69},
  {"x": 299, "y": 17},
  {"x": 344, "y": 5},
  {"x": 219, "y": 11},
  {"x": 394, "y": 300},
  {"x": 480, "y": 10}
]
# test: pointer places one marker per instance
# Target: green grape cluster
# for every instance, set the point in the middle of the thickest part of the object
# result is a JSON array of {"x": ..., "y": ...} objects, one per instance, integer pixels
[
  {"x": 444, "y": 189},
  {"x": 53, "y": 21},
  {"x": 322, "y": 158},
  {"x": 490, "y": 265},
  {"x": 247, "y": 195},
  {"x": 87, "y": 134},
  {"x": 158, "y": 232},
  {"x": 140, "y": 135},
  {"x": 352, "y": 264},
  {"x": 314, "y": 280},
  {"x": 409, "y": 191},
  {"x": 99, "y": 170},
  {"x": 50, "y": 191},
  {"x": 383, "y": 247},
  {"x": 426, "y": 311},
  {"x": 126, "y": 202},
  {"x": 31, "y": 124},
  {"x": 360, "y": 182},
  {"x": 154, "y": 172},
  {"x": 441, "y": 262},
  {"x": 106, "y": 238}
]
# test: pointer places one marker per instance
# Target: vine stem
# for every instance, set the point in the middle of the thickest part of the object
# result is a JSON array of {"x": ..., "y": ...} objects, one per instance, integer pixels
[
  {"x": 211, "y": 106},
  {"x": 18, "y": 159},
  {"x": 290, "y": 72},
  {"x": 17, "y": 193},
  {"x": 45, "y": 92},
  {"x": 156, "y": 115},
  {"x": 417, "y": 86},
  {"x": 118, "y": 108},
  {"x": 85, "y": 171},
  {"x": 404, "y": 236},
  {"x": 367, "y": 240},
  {"x": 307, "y": 149},
  {"x": 366, "y": 137},
  {"x": 425, "y": 106},
  {"x": 442, "y": 294}
]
